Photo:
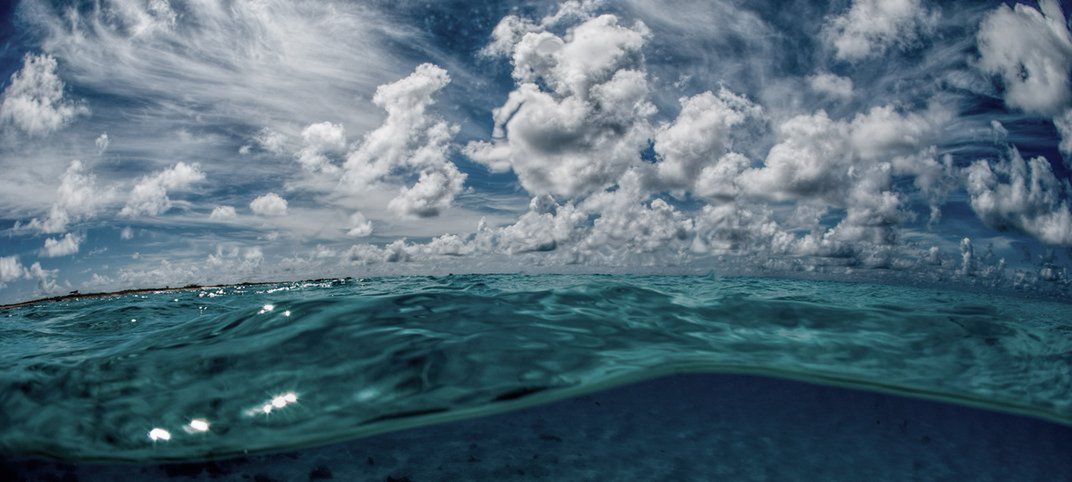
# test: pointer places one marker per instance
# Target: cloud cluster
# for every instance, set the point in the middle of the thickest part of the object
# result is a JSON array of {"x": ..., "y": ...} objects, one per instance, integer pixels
[
  {"x": 1031, "y": 50},
  {"x": 33, "y": 100},
  {"x": 64, "y": 246},
  {"x": 871, "y": 27},
  {"x": 149, "y": 197},
  {"x": 702, "y": 133},
  {"x": 78, "y": 197},
  {"x": 270, "y": 204},
  {"x": 833, "y": 86},
  {"x": 11, "y": 269},
  {"x": 318, "y": 141},
  {"x": 578, "y": 116},
  {"x": 223, "y": 213},
  {"x": 410, "y": 140},
  {"x": 1022, "y": 195}
]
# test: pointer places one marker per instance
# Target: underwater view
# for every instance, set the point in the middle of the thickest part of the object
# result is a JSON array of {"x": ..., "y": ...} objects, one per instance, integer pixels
[
  {"x": 199, "y": 374},
  {"x": 562, "y": 240}
]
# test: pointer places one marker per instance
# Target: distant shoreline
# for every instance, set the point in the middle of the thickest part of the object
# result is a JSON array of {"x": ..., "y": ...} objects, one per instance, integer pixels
[{"x": 135, "y": 291}]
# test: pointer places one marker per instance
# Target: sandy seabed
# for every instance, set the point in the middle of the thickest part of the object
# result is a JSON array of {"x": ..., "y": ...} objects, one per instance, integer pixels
[{"x": 681, "y": 427}]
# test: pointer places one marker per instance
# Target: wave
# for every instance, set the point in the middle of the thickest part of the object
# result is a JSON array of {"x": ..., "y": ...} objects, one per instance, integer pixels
[{"x": 222, "y": 371}]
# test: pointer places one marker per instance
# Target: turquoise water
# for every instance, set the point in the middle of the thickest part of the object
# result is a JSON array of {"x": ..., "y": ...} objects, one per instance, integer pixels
[{"x": 224, "y": 371}]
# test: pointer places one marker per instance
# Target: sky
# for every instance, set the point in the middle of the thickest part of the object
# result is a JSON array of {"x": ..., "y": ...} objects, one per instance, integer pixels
[{"x": 150, "y": 143}]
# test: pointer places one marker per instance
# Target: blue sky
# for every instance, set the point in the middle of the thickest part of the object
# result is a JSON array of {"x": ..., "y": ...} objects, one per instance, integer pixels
[{"x": 156, "y": 142}]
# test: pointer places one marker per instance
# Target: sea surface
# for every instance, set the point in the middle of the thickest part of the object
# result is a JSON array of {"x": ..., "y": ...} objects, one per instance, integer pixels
[{"x": 211, "y": 373}]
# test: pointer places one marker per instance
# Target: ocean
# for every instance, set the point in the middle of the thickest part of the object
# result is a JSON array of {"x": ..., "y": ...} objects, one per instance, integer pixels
[{"x": 556, "y": 377}]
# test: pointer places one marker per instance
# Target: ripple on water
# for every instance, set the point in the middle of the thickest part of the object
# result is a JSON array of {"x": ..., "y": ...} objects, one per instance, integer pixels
[{"x": 191, "y": 374}]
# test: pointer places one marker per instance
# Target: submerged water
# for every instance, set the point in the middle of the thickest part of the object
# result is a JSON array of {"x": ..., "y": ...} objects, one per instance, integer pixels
[{"x": 224, "y": 371}]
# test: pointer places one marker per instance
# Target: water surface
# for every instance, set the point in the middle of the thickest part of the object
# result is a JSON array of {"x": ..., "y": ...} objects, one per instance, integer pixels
[{"x": 224, "y": 371}]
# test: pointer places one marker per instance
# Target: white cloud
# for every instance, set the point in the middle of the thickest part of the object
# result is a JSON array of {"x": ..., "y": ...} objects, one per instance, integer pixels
[
  {"x": 78, "y": 197},
  {"x": 718, "y": 180},
  {"x": 393, "y": 144},
  {"x": 359, "y": 226},
  {"x": 883, "y": 131},
  {"x": 448, "y": 245},
  {"x": 628, "y": 222},
  {"x": 223, "y": 212},
  {"x": 10, "y": 269},
  {"x": 811, "y": 161},
  {"x": 126, "y": 233},
  {"x": 102, "y": 142},
  {"x": 46, "y": 278},
  {"x": 1032, "y": 52},
  {"x": 410, "y": 141},
  {"x": 700, "y": 134},
  {"x": 271, "y": 141},
  {"x": 537, "y": 230},
  {"x": 269, "y": 205},
  {"x": 1021, "y": 195},
  {"x": 967, "y": 257},
  {"x": 319, "y": 141},
  {"x": 33, "y": 100},
  {"x": 871, "y": 27},
  {"x": 1063, "y": 123},
  {"x": 149, "y": 196},
  {"x": 264, "y": 64},
  {"x": 508, "y": 32},
  {"x": 578, "y": 117},
  {"x": 831, "y": 85},
  {"x": 432, "y": 193},
  {"x": 739, "y": 228},
  {"x": 67, "y": 245},
  {"x": 852, "y": 165},
  {"x": 236, "y": 259},
  {"x": 364, "y": 254}
]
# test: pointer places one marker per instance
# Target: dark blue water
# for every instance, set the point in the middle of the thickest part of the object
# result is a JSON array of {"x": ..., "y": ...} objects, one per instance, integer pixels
[{"x": 223, "y": 372}]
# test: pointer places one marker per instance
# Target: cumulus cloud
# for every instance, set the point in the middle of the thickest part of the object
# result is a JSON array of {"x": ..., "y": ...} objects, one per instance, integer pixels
[
  {"x": 150, "y": 195},
  {"x": 735, "y": 228},
  {"x": 1021, "y": 195},
  {"x": 319, "y": 141},
  {"x": 1031, "y": 50},
  {"x": 271, "y": 141},
  {"x": 46, "y": 278},
  {"x": 223, "y": 212},
  {"x": 852, "y": 165},
  {"x": 33, "y": 100},
  {"x": 542, "y": 228},
  {"x": 364, "y": 254},
  {"x": 102, "y": 142},
  {"x": 578, "y": 116},
  {"x": 269, "y": 205},
  {"x": 432, "y": 193},
  {"x": 629, "y": 222},
  {"x": 508, "y": 32},
  {"x": 448, "y": 245},
  {"x": 871, "y": 27},
  {"x": 830, "y": 85},
  {"x": 64, "y": 246},
  {"x": 411, "y": 141},
  {"x": 359, "y": 226},
  {"x": 236, "y": 259},
  {"x": 699, "y": 135},
  {"x": 126, "y": 233},
  {"x": 1064, "y": 129},
  {"x": 10, "y": 269},
  {"x": 78, "y": 197},
  {"x": 812, "y": 160}
]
